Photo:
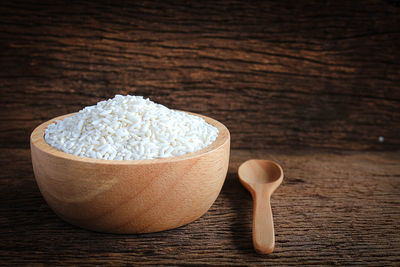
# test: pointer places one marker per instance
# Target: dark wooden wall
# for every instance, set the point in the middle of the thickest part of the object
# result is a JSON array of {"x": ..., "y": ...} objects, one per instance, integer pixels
[{"x": 279, "y": 74}]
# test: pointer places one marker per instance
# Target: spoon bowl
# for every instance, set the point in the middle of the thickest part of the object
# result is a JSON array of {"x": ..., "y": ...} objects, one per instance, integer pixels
[
  {"x": 261, "y": 178},
  {"x": 260, "y": 171}
]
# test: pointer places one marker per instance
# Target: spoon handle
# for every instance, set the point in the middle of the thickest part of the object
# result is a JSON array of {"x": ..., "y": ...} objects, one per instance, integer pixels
[{"x": 263, "y": 224}]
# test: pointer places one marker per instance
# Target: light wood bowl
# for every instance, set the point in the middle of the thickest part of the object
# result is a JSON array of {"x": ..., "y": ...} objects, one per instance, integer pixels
[{"x": 130, "y": 196}]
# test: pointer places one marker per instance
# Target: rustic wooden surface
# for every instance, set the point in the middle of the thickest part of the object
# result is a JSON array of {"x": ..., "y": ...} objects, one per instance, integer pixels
[
  {"x": 332, "y": 208},
  {"x": 306, "y": 80},
  {"x": 281, "y": 74}
]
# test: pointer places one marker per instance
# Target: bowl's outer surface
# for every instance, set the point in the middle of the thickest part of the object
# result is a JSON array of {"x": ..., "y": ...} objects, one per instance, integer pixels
[{"x": 130, "y": 196}]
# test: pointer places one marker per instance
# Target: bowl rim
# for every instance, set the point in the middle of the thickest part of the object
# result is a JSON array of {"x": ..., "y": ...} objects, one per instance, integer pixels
[{"x": 37, "y": 140}]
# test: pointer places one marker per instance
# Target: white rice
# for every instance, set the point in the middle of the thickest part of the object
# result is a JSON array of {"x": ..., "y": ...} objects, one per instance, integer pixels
[{"x": 130, "y": 128}]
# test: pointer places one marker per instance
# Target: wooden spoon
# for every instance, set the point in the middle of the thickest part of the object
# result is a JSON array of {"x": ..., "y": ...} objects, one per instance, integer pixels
[{"x": 261, "y": 178}]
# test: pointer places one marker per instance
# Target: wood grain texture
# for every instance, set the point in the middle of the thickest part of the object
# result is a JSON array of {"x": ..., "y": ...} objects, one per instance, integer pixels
[
  {"x": 284, "y": 74},
  {"x": 333, "y": 208},
  {"x": 130, "y": 196}
]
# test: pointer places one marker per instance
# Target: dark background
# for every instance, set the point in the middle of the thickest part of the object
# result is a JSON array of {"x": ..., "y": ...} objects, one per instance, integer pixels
[
  {"x": 288, "y": 74},
  {"x": 311, "y": 85}
]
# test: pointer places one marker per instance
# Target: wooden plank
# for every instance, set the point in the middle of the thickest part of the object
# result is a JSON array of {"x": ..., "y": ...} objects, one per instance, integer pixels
[
  {"x": 333, "y": 208},
  {"x": 279, "y": 75}
]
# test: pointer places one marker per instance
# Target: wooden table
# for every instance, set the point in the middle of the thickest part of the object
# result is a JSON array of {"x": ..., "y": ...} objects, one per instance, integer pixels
[
  {"x": 313, "y": 85},
  {"x": 332, "y": 208}
]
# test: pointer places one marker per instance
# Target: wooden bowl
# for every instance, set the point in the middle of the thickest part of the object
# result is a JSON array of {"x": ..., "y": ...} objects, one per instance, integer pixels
[{"x": 130, "y": 196}]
